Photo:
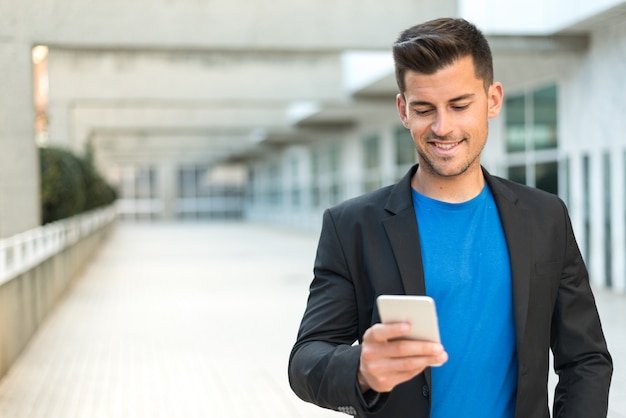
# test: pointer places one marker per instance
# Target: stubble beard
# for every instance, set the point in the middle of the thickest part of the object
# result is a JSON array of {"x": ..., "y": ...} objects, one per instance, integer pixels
[{"x": 441, "y": 169}]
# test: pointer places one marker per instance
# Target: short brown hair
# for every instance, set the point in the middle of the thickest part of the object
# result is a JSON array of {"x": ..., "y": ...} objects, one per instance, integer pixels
[{"x": 428, "y": 47}]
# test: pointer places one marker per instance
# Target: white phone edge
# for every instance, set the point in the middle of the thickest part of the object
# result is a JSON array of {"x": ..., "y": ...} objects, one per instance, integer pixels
[{"x": 420, "y": 311}]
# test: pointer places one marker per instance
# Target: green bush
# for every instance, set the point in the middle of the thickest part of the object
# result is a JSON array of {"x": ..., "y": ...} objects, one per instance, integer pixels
[
  {"x": 70, "y": 185},
  {"x": 97, "y": 191}
]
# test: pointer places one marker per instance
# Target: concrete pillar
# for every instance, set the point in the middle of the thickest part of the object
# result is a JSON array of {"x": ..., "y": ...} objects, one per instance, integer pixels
[
  {"x": 19, "y": 161},
  {"x": 617, "y": 222},
  {"x": 168, "y": 187},
  {"x": 597, "y": 272},
  {"x": 387, "y": 154},
  {"x": 576, "y": 199}
]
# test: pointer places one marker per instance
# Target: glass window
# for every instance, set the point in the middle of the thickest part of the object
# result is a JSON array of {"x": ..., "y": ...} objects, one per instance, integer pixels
[
  {"x": 316, "y": 194},
  {"x": 371, "y": 153},
  {"x": 531, "y": 137},
  {"x": 294, "y": 183},
  {"x": 145, "y": 183},
  {"x": 334, "y": 158},
  {"x": 405, "y": 149},
  {"x": 274, "y": 177},
  {"x": 517, "y": 174},
  {"x": 334, "y": 162},
  {"x": 186, "y": 182},
  {"x": 531, "y": 120},
  {"x": 203, "y": 184},
  {"x": 546, "y": 176},
  {"x": 371, "y": 147},
  {"x": 544, "y": 135},
  {"x": 515, "y": 114},
  {"x": 586, "y": 209},
  {"x": 252, "y": 191}
]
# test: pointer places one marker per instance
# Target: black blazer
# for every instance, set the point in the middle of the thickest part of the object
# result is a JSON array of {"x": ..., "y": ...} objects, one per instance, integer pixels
[{"x": 370, "y": 245}]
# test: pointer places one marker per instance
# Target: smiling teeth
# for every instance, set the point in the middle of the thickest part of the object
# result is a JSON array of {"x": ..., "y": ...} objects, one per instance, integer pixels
[{"x": 445, "y": 146}]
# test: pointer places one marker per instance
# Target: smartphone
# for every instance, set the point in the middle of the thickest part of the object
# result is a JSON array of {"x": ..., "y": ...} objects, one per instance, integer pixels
[{"x": 420, "y": 311}]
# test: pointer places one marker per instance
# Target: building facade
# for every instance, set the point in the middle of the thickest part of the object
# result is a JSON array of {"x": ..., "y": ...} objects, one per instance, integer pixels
[
  {"x": 559, "y": 130},
  {"x": 273, "y": 110}
]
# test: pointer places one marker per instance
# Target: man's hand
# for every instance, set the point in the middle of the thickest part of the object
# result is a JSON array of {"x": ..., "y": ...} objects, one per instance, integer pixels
[{"x": 388, "y": 360}]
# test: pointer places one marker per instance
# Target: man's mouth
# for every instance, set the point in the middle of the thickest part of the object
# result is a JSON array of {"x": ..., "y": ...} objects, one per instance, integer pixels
[{"x": 446, "y": 145}]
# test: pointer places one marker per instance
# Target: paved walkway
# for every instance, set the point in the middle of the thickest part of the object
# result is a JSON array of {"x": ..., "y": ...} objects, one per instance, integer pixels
[{"x": 191, "y": 320}]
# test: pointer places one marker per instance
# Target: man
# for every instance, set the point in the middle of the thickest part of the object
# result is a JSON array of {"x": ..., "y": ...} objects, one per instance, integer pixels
[{"x": 500, "y": 259}]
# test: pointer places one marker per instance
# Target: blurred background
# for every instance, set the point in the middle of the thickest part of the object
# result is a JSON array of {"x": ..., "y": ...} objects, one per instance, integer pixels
[{"x": 122, "y": 118}]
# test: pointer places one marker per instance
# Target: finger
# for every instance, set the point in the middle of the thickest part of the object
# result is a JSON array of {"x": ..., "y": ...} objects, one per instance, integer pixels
[
  {"x": 440, "y": 359},
  {"x": 386, "y": 332},
  {"x": 384, "y": 375},
  {"x": 401, "y": 356},
  {"x": 409, "y": 348},
  {"x": 412, "y": 365}
]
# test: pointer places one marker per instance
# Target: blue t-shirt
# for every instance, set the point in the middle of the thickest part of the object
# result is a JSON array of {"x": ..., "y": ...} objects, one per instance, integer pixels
[{"x": 468, "y": 274}]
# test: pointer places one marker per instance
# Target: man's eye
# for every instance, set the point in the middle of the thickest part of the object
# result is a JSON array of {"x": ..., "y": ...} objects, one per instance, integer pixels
[
  {"x": 422, "y": 112},
  {"x": 460, "y": 107}
]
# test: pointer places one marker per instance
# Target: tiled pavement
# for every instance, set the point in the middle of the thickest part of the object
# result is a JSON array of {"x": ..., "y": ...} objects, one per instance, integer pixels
[{"x": 191, "y": 320}]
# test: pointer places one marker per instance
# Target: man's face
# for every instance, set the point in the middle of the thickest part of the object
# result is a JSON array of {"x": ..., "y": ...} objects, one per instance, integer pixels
[{"x": 447, "y": 113}]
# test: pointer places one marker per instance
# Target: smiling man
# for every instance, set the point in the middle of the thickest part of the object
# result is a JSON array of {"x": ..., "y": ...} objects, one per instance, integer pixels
[
  {"x": 446, "y": 113},
  {"x": 499, "y": 259}
]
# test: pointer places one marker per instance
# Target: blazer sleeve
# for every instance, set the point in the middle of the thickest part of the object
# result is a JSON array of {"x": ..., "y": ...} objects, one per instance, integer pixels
[
  {"x": 324, "y": 362},
  {"x": 581, "y": 357}
]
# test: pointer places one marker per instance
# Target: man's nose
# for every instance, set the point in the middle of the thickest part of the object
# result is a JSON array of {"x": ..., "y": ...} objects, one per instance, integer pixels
[{"x": 442, "y": 124}]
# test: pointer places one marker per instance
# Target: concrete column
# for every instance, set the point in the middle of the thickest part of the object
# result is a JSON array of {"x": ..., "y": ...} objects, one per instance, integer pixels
[
  {"x": 597, "y": 272},
  {"x": 353, "y": 164},
  {"x": 617, "y": 222},
  {"x": 387, "y": 154},
  {"x": 576, "y": 198},
  {"x": 168, "y": 186},
  {"x": 19, "y": 161}
]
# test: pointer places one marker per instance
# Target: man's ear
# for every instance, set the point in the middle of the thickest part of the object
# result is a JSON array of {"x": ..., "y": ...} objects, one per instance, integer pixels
[
  {"x": 401, "y": 104},
  {"x": 495, "y": 97}
]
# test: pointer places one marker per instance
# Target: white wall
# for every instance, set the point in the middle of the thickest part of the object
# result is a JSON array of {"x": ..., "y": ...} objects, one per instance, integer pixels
[
  {"x": 19, "y": 168},
  {"x": 592, "y": 105}
]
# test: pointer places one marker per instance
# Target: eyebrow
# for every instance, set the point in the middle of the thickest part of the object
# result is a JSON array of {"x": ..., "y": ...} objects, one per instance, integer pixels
[{"x": 455, "y": 99}]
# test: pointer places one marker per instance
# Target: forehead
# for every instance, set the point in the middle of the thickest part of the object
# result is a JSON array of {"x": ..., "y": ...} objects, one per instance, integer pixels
[{"x": 454, "y": 80}]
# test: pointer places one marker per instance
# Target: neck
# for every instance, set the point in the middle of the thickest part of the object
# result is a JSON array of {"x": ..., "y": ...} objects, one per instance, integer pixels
[{"x": 453, "y": 189}]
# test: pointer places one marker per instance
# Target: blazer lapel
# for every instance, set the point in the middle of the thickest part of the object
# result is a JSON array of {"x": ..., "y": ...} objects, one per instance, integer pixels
[
  {"x": 403, "y": 234},
  {"x": 516, "y": 225}
]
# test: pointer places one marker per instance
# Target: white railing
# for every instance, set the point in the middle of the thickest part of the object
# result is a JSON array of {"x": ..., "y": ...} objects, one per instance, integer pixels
[
  {"x": 147, "y": 207},
  {"x": 26, "y": 250}
]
